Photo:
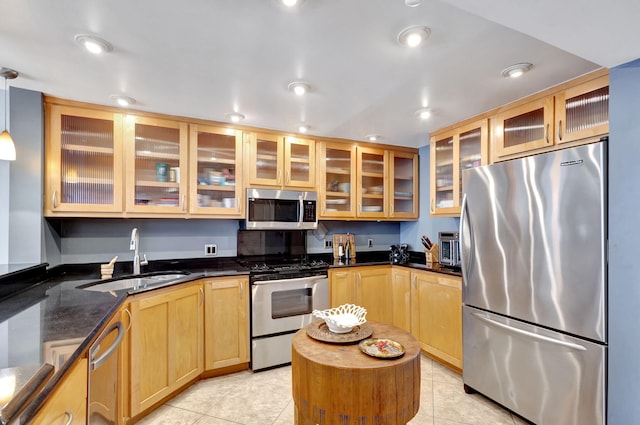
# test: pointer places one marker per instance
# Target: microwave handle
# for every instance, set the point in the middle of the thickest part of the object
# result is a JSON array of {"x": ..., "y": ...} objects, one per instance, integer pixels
[{"x": 301, "y": 211}]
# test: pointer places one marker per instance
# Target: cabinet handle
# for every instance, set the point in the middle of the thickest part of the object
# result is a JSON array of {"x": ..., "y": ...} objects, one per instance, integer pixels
[
  {"x": 279, "y": 177},
  {"x": 237, "y": 204},
  {"x": 183, "y": 199},
  {"x": 54, "y": 199},
  {"x": 432, "y": 203},
  {"x": 70, "y": 415},
  {"x": 130, "y": 319},
  {"x": 201, "y": 296},
  {"x": 547, "y": 133},
  {"x": 288, "y": 177},
  {"x": 560, "y": 130}
]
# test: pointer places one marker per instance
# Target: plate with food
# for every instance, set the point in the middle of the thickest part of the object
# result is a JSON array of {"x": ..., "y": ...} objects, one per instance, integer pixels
[{"x": 381, "y": 348}]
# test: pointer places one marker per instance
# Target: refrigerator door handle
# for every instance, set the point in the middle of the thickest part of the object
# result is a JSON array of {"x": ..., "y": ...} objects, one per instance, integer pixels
[
  {"x": 463, "y": 256},
  {"x": 529, "y": 334}
]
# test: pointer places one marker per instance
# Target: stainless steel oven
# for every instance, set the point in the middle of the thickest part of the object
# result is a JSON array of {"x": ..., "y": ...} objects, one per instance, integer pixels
[
  {"x": 281, "y": 304},
  {"x": 449, "y": 249}
]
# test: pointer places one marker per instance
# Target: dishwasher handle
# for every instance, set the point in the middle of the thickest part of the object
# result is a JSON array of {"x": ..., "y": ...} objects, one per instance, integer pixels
[{"x": 95, "y": 363}]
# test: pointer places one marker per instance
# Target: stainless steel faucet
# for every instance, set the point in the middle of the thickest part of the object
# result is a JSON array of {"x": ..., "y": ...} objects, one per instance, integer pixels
[{"x": 134, "y": 246}]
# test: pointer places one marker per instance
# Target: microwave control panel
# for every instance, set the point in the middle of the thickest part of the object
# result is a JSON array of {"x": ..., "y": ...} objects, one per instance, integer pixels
[{"x": 309, "y": 211}]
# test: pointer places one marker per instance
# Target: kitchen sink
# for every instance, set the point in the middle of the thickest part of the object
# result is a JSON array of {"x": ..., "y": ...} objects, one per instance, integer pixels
[{"x": 135, "y": 282}]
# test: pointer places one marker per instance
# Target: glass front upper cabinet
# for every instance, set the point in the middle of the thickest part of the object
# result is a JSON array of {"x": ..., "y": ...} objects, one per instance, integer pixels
[
  {"x": 371, "y": 173},
  {"x": 83, "y": 161},
  {"x": 156, "y": 159},
  {"x": 215, "y": 183},
  {"x": 403, "y": 178},
  {"x": 338, "y": 181},
  {"x": 452, "y": 152},
  {"x": 525, "y": 127}
]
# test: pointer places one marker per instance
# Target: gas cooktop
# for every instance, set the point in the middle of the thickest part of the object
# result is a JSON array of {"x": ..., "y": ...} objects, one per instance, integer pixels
[{"x": 266, "y": 266}]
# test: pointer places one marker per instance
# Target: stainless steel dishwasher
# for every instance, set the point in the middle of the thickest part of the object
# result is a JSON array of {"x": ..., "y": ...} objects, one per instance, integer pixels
[{"x": 104, "y": 371}]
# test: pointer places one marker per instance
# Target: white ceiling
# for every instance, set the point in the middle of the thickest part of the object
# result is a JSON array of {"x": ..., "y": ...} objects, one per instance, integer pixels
[{"x": 206, "y": 58}]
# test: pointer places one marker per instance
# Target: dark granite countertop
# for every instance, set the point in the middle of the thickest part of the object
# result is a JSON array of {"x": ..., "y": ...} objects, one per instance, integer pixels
[{"x": 45, "y": 308}]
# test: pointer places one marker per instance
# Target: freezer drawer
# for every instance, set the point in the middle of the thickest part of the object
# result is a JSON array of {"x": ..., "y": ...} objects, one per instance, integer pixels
[{"x": 544, "y": 376}]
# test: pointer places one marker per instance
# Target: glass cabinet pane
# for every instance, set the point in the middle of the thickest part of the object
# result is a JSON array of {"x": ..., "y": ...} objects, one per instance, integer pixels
[
  {"x": 157, "y": 165},
  {"x": 372, "y": 184},
  {"x": 338, "y": 178},
  {"x": 470, "y": 152},
  {"x": 299, "y": 157},
  {"x": 216, "y": 170},
  {"x": 444, "y": 173},
  {"x": 403, "y": 184},
  {"x": 87, "y": 160},
  {"x": 524, "y": 128},
  {"x": 266, "y": 159},
  {"x": 587, "y": 110}
]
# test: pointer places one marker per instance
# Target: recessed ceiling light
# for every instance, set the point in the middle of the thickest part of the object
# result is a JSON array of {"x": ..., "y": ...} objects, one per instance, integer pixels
[
  {"x": 423, "y": 113},
  {"x": 373, "y": 137},
  {"x": 298, "y": 87},
  {"x": 515, "y": 71},
  {"x": 414, "y": 36},
  {"x": 413, "y": 3},
  {"x": 123, "y": 101},
  {"x": 303, "y": 128},
  {"x": 93, "y": 44},
  {"x": 290, "y": 3},
  {"x": 235, "y": 117}
]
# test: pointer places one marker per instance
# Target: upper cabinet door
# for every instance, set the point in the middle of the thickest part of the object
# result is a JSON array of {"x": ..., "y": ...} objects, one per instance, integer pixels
[
  {"x": 215, "y": 182},
  {"x": 582, "y": 111},
  {"x": 337, "y": 175},
  {"x": 452, "y": 152},
  {"x": 83, "y": 161},
  {"x": 525, "y": 127},
  {"x": 372, "y": 168},
  {"x": 403, "y": 181},
  {"x": 265, "y": 154},
  {"x": 156, "y": 154},
  {"x": 299, "y": 162}
]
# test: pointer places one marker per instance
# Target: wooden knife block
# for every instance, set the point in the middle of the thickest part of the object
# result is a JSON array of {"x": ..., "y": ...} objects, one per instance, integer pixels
[{"x": 432, "y": 255}]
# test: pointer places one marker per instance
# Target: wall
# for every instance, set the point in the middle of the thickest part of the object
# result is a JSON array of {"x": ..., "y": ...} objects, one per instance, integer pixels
[
  {"x": 624, "y": 234},
  {"x": 412, "y": 231}
]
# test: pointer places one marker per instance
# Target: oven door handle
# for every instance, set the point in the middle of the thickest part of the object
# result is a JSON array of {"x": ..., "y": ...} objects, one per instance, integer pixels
[{"x": 309, "y": 279}]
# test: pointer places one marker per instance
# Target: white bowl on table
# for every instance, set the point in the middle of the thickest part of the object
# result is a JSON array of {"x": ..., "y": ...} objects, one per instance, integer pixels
[{"x": 342, "y": 319}]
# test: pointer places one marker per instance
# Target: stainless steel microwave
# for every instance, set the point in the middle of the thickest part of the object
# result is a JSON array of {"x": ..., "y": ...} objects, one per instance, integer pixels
[
  {"x": 281, "y": 209},
  {"x": 449, "y": 249}
]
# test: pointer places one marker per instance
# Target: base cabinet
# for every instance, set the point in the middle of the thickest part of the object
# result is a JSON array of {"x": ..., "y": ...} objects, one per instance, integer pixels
[
  {"x": 68, "y": 403},
  {"x": 436, "y": 312},
  {"x": 166, "y": 344},
  {"x": 226, "y": 322},
  {"x": 401, "y": 297}
]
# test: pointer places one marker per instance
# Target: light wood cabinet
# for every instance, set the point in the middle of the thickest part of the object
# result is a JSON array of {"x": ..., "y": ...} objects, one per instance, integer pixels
[
  {"x": 403, "y": 185},
  {"x": 451, "y": 151},
  {"x": 401, "y": 297},
  {"x": 68, "y": 402},
  {"x": 226, "y": 321},
  {"x": 166, "y": 344},
  {"x": 569, "y": 113},
  {"x": 153, "y": 147},
  {"x": 373, "y": 188},
  {"x": 342, "y": 286},
  {"x": 280, "y": 161},
  {"x": 436, "y": 315},
  {"x": 582, "y": 111},
  {"x": 215, "y": 177},
  {"x": 337, "y": 180},
  {"x": 373, "y": 292},
  {"x": 83, "y": 161}
]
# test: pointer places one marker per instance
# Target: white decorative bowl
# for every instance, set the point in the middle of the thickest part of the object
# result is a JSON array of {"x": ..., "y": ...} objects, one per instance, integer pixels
[{"x": 342, "y": 319}]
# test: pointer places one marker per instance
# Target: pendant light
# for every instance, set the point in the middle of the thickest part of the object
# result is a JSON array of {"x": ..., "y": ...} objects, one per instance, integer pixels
[{"x": 7, "y": 147}]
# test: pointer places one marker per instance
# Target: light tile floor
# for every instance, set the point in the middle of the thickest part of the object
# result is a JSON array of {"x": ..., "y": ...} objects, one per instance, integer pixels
[{"x": 264, "y": 398}]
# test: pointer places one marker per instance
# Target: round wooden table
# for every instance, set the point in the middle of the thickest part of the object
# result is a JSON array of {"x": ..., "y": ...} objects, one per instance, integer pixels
[{"x": 339, "y": 384}]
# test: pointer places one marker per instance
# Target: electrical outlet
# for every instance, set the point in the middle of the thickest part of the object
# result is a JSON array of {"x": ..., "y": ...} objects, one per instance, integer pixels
[
  {"x": 328, "y": 244},
  {"x": 210, "y": 250},
  {"x": 369, "y": 243}
]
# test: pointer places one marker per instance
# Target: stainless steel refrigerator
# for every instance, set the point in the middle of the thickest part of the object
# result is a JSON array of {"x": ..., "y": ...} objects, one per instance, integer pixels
[{"x": 533, "y": 244}]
